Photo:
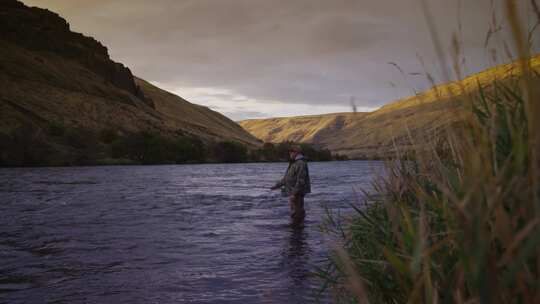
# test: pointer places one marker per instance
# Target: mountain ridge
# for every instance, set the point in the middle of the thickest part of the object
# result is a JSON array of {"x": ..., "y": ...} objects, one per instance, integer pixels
[{"x": 373, "y": 134}]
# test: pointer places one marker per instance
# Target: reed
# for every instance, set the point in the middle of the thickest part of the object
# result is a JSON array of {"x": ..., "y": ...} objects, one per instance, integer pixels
[{"x": 455, "y": 219}]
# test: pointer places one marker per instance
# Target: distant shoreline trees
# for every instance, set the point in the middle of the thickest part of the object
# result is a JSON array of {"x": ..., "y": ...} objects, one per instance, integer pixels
[{"x": 58, "y": 145}]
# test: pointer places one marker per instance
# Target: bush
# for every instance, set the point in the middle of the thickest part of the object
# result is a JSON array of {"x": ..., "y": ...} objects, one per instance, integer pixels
[
  {"x": 25, "y": 146},
  {"x": 108, "y": 136},
  {"x": 189, "y": 150},
  {"x": 316, "y": 154},
  {"x": 82, "y": 139},
  {"x": 280, "y": 152},
  {"x": 56, "y": 130},
  {"x": 230, "y": 152},
  {"x": 144, "y": 148},
  {"x": 340, "y": 157},
  {"x": 148, "y": 148}
]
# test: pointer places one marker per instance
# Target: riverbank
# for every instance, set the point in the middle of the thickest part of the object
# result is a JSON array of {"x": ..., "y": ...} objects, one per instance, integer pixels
[
  {"x": 458, "y": 222},
  {"x": 89, "y": 149}
]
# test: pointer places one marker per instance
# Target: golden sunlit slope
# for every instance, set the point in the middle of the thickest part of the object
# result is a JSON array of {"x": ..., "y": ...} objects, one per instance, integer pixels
[
  {"x": 308, "y": 129},
  {"x": 51, "y": 76},
  {"x": 370, "y": 135}
]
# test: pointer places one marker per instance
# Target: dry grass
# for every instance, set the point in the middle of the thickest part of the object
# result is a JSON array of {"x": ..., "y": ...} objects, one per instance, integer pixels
[
  {"x": 458, "y": 219},
  {"x": 304, "y": 129},
  {"x": 459, "y": 222},
  {"x": 46, "y": 88}
]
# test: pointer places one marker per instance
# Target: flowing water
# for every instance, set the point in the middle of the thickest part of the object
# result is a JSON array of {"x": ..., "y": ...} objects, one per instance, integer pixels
[{"x": 166, "y": 234}]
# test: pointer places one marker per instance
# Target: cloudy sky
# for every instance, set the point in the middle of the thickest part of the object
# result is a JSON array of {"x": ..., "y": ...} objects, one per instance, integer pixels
[{"x": 264, "y": 58}]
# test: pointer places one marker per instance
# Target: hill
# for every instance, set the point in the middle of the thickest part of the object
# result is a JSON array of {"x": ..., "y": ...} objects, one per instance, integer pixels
[
  {"x": 304, "y": 129},
  {"x": 64, "y": 100},
  {"x": 372, "y": 135}
]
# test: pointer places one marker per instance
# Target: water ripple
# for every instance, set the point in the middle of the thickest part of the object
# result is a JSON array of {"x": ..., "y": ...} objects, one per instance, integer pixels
[{"x": 165, "y": 234}]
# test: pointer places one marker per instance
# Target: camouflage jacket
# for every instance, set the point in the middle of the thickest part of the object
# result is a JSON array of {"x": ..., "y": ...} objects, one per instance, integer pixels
[{"x": 296, "y": 180}]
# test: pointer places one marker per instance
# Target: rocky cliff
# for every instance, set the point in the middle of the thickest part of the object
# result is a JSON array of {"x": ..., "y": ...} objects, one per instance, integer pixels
[
  {"x": 59, "y": 88},
  {"x": 44, "y": 31}
]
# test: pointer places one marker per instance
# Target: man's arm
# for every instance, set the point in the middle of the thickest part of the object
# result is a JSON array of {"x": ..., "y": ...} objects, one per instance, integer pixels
[{"x": 279, "y": 184}]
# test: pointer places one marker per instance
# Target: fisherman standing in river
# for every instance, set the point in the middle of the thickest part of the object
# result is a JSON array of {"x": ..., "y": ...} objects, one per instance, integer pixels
[{"x": 296, "y": 184}]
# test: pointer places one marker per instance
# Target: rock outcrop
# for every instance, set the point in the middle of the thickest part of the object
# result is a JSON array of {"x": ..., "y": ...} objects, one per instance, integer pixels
[
  {"x": 63, "y": 101},
  {"x": 42, "y": 30}
]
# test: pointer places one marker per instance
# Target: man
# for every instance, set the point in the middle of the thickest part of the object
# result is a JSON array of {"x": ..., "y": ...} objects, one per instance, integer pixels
[{"x": 296, "y": 184}]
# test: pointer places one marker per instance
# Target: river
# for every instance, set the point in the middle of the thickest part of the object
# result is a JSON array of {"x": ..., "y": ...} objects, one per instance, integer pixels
[{"x": 166, "y": 234}]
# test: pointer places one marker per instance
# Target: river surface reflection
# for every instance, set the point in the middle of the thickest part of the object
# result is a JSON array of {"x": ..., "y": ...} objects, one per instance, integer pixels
[{"x": 165, "y": 234}]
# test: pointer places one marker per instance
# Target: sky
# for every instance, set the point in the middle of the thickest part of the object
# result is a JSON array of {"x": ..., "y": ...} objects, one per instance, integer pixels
[{"x": 267, "y": 58}]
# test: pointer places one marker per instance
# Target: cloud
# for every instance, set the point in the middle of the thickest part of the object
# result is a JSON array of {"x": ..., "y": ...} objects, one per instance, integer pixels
[
  {"x": 234, "y": 54},
  {"x": 240, "y": 107}
]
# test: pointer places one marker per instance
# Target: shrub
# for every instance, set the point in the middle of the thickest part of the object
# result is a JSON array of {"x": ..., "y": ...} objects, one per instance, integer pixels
[
  {"x": 108, "y": 136},
  {"x": 81, "y": 138},
  {"x": 340, "y": 157},
  {"x": 144, "y": 148},
  {"x": 56, "y": 130},
  {"x": 230, "y": 152},
  {"x": 188, "y": 149},
  {"x": 25, "y": 146},
  {"x": 148, "y": 148},
  {"x": 280, "y": 152}
]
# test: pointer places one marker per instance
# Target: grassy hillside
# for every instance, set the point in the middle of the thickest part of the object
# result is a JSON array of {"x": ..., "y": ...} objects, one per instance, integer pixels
[
  {"x": 374, "y": 134},
  {"x": 179, "y": 114},
  {"x": 305, "y": 129},
  {"x": 61, "y": 92}
]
